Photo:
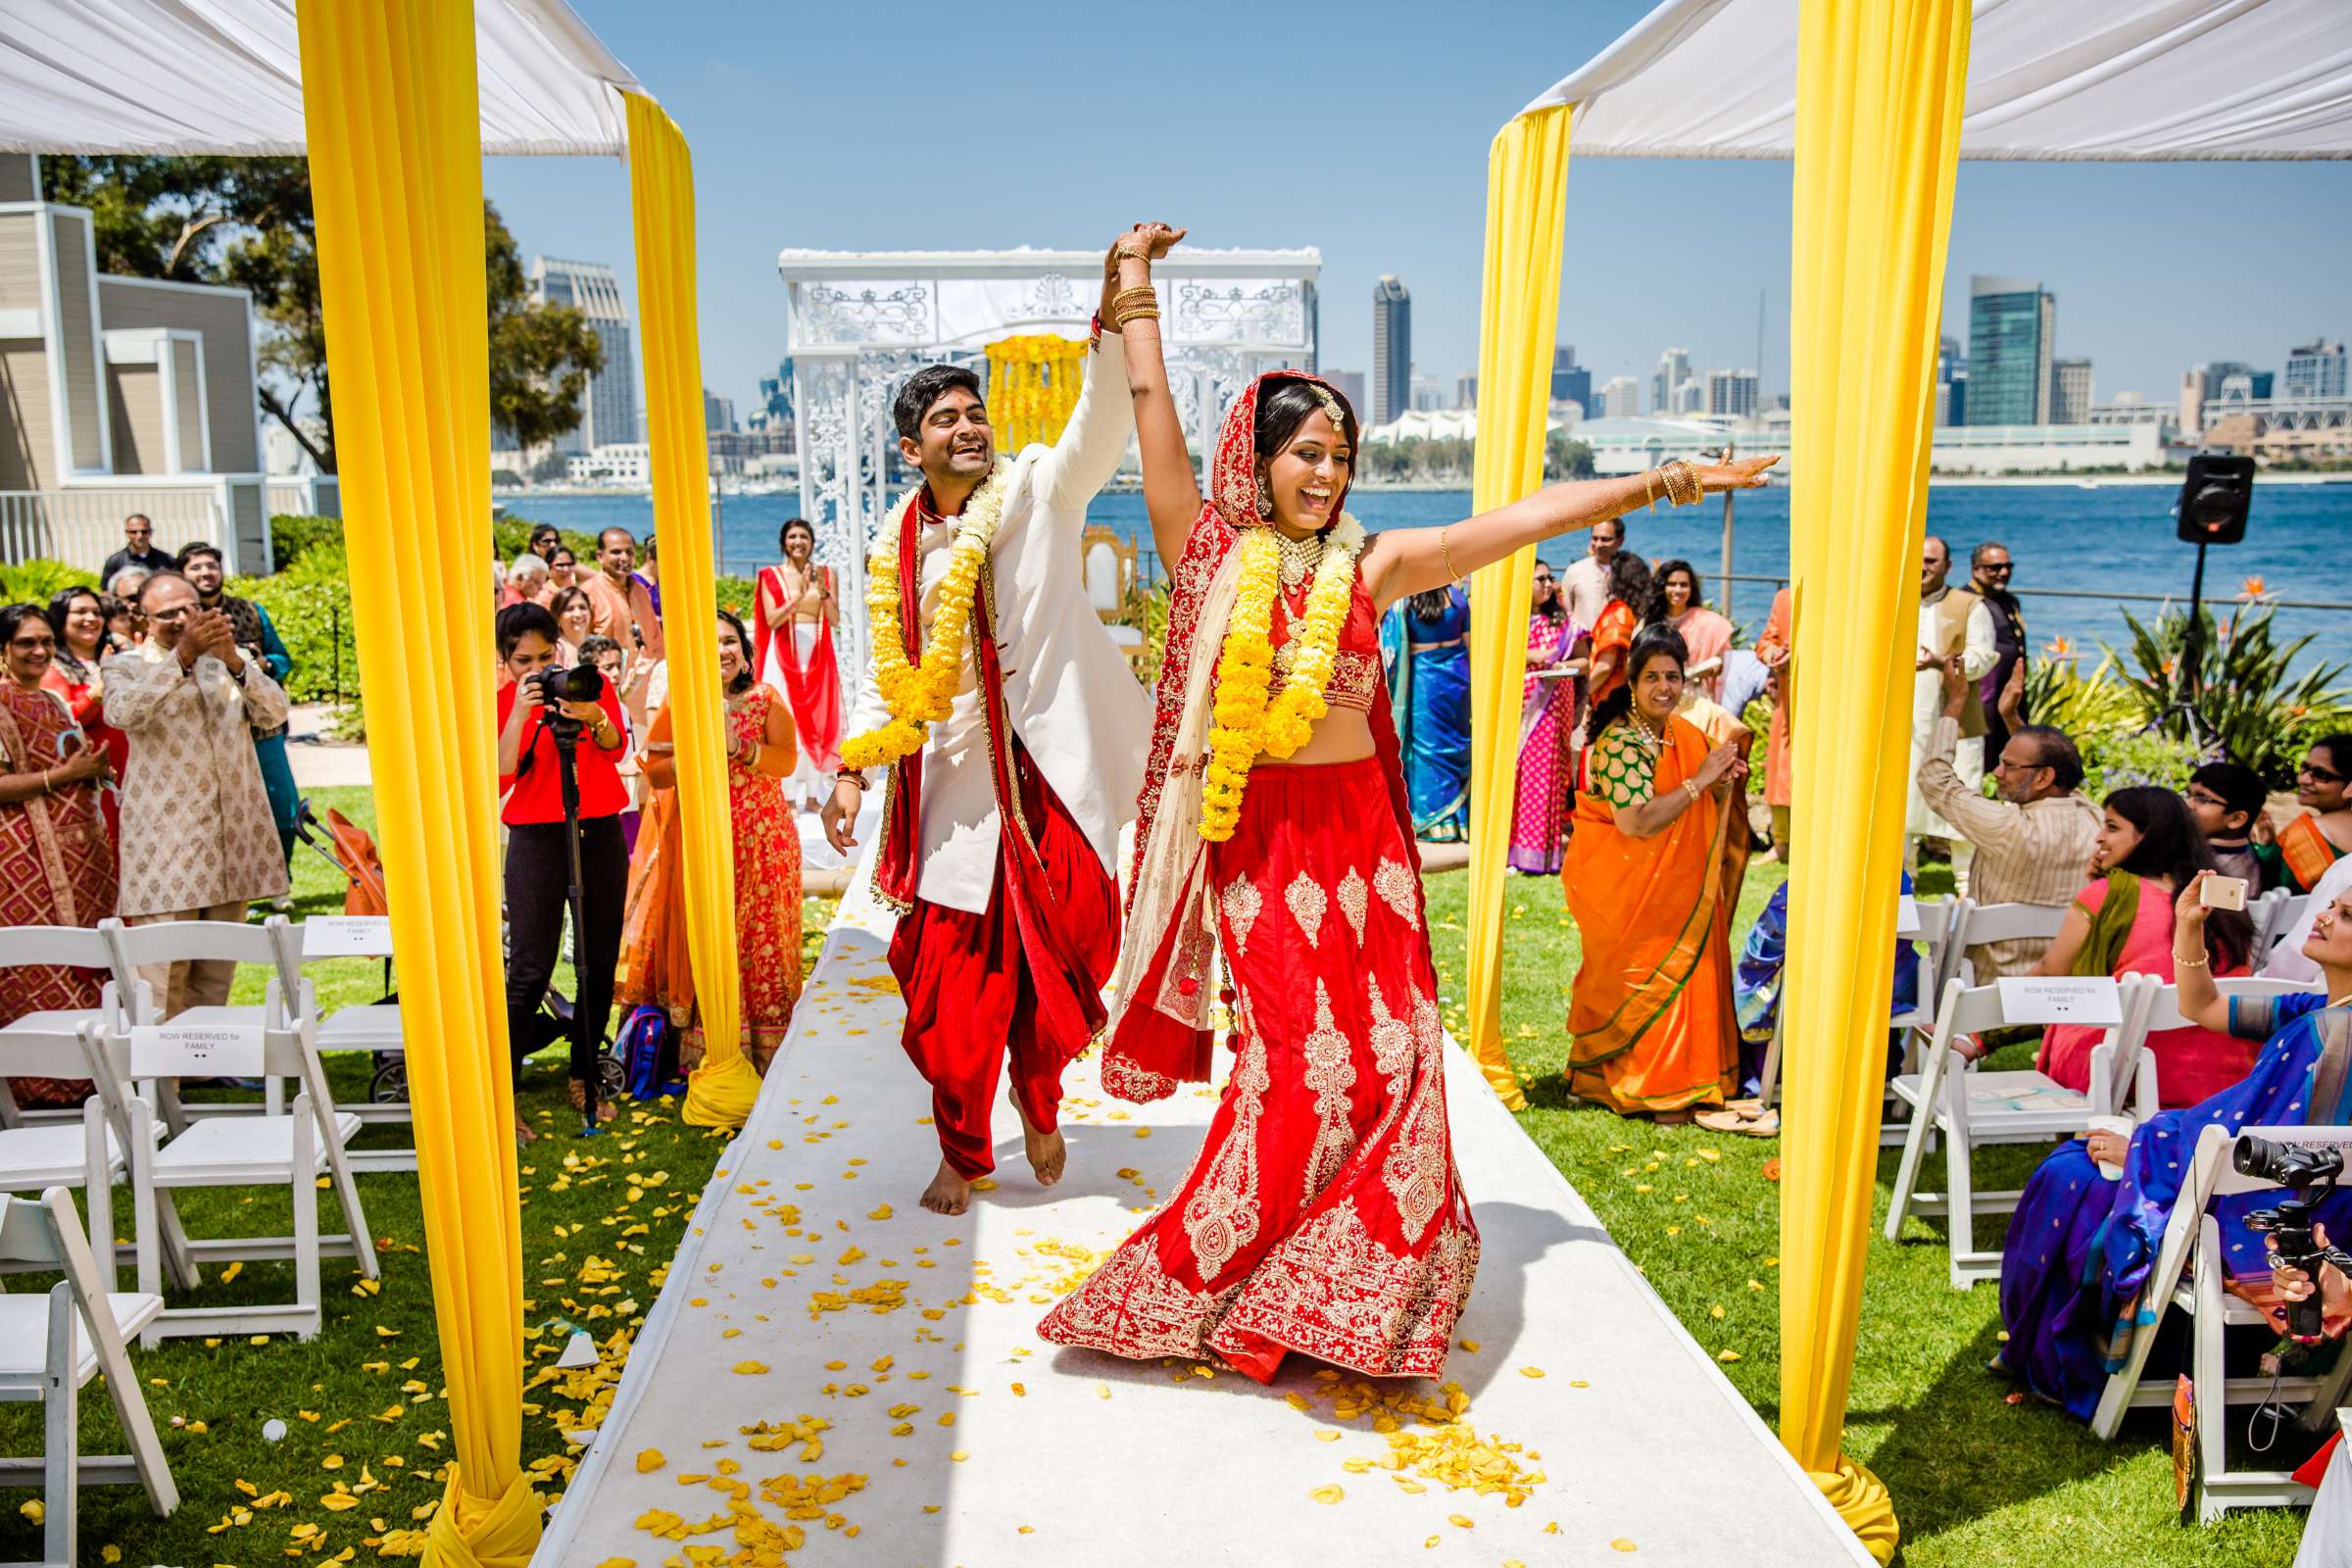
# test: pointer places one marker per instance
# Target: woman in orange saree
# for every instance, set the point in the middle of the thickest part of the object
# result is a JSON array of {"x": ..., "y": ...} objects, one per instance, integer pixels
[
  {"x": 1652, "y": 872},
  {"x": 1613, "y": 631}
]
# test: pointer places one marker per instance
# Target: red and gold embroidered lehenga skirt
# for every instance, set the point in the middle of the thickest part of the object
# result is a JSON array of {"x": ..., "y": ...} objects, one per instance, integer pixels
[{"x": 1323, "y": 1213}]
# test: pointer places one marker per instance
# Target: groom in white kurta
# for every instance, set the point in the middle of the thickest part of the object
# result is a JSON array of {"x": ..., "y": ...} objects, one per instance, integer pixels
[
  {"x": 1007, "y": 930},
  {"x": 1951, "y": 620}
]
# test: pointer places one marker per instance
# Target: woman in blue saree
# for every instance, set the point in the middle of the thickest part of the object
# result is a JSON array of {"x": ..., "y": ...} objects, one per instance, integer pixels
[
  {"x": 2080, "y": 1247},
  {"x": 1423, "y": 642}
]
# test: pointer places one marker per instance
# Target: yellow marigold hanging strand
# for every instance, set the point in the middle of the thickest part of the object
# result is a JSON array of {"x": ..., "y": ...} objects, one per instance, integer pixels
[
  {"x": 919, "y": 694},
  {"x": 1247, "y": 725}
]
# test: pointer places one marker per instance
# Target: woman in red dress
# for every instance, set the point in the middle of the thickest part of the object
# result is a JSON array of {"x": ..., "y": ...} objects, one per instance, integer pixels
[
  {"x": 1323, "y": 1214},
  {"x": 78, "y": 618},
  {"x": 654, "y": 970},
  {"x": 57, "y": 857},
  {"x": 792, "y": 632}
]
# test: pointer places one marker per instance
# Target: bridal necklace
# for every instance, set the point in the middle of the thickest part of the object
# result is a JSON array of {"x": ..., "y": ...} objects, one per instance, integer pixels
[
  {"x": 1300, "y": 557},
  {"x": 1656, "y": 741}
]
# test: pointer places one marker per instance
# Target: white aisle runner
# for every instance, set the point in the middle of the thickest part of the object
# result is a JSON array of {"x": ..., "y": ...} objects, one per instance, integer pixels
[{"x": 812, "y": 1284}]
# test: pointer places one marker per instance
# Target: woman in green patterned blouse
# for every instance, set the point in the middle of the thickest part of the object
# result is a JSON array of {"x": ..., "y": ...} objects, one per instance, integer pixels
[{"x": 1652, "y": 871}]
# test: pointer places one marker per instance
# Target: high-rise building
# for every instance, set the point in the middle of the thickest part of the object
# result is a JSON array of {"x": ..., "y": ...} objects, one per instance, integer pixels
[
  {"x": 1351, "y": 385},
  {"x": 2069, "y": 391},
  {"x": 1689, "y": 398},
  {"x": 1621, "y": 397},
  {"x": 719, "y": 413},
  {"x": 2316, "y": 370},
  {"x": 1731, "y": 394},
  {"x": 2011, "y": 324},
  {"x": 1674, "y": 369},
  {"x": 1951, "y": 382},
  {"x": 1392, "y": 348},
  {"x": 608, "y": 405},
  {"x": 1428, "y": 394},
  {"x": 1571, "y": 383},
  {"x": 1465, "y": 390}
]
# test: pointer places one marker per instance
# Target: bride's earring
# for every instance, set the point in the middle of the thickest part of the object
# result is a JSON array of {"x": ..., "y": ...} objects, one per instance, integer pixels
[{"x": 1265, "y": 500}]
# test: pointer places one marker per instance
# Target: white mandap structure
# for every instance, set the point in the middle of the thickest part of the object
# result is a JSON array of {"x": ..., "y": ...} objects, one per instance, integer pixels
[{"x": 859, "y": 322}]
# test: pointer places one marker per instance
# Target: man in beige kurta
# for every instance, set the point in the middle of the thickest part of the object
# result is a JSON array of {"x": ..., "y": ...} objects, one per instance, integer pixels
[{"x": 198, "y": 841}]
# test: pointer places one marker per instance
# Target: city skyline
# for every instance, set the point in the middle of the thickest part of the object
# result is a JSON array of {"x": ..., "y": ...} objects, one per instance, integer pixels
[{"x": 2141, "y": 303}]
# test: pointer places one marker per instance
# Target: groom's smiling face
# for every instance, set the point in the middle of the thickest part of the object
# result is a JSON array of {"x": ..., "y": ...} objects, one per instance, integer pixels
[{"x": 954, "y": 437}]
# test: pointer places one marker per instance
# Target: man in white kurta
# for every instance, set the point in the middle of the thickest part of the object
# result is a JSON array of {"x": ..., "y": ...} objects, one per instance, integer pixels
[
  {"x": 1007, "y": 930},
  {"x": 1951, "y": 620}
]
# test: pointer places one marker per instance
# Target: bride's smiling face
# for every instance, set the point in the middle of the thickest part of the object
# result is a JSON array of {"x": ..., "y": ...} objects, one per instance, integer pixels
[{"x": 1309, "y": 475}]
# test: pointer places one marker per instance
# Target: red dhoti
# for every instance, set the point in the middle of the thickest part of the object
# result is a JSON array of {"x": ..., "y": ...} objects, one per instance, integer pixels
[
  {"x": 978, "y": 986},
  {"x": 1323, "y": 1213}
]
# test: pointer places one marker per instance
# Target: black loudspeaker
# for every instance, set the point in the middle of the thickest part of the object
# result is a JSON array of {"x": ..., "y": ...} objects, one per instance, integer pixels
[{"x": 2214, "y": 499}]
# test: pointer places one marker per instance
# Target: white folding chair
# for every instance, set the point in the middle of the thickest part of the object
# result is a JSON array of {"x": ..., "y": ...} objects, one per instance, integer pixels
[
  {"x": 53, "y": 1343},
  {"x": 2275, "y": 913},
  {"x": 1938, "y": 920},
  {"x": 372, "y": 1027},
  {"x": 292, "y": 1150},
  {"x": 227, "y": 941},
  {"x": 86, "y": 1151},
  {"x": 73, "y": 947},
  {"x": 2006, "y": 922},
  {"x": 1970, "y": 1110},
  {"x": 2200, "y": 1292}
]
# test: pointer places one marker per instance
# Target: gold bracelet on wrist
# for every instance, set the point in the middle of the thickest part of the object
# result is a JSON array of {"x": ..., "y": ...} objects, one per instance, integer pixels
[
  {"x": 1690, "y": 790},
  {"x": 1133, "y": 313},
  {"x": 1129, "y": 295},
  {"x": 1445, "y": 551},
  {"x": 2179, "y": 962},
  {"x": 1650, "y": 488}
]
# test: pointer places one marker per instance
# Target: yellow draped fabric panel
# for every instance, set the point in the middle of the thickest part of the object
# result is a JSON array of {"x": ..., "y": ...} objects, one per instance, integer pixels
[
  {"x": 662, "y": 201},
  {"x": 1526, "y": 187},
  {"x": 1878, "y": 122},
  {"x": 396, "y": 173}
]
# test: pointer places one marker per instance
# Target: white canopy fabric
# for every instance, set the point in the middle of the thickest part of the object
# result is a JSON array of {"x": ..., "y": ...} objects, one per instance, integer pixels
[
  {"x": 225, "y": 76},
  {"x": 2157, "y": 80}
]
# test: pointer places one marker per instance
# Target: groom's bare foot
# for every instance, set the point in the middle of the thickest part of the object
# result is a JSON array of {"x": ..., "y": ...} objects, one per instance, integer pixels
[
  {"x": 949, "y": 1193},
  {"x": 1047, "y": 1152}
]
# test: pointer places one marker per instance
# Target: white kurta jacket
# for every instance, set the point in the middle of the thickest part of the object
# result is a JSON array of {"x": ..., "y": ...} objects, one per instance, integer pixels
[
  {"x": 1977, "y": 660},
  {"x": 1068, "y": 690}
]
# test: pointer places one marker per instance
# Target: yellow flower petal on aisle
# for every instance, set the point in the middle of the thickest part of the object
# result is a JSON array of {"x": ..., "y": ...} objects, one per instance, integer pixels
[{"x": 1326, "y": 1494}]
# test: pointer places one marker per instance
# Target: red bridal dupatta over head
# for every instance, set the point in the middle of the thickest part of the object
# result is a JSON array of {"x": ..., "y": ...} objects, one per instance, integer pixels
[
  {"x": 1159, "y": 1022},
  {"x": 812, "y": 688}
]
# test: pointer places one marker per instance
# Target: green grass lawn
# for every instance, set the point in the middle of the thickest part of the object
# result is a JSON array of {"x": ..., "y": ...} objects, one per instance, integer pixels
[{"x": 1975, "y": 1480}]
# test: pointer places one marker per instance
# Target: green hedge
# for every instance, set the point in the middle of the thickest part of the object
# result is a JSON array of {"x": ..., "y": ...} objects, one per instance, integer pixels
[{"x": 37, "y": 580}]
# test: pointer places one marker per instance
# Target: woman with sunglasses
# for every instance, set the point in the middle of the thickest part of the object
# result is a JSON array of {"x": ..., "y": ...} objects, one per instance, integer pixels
[{"x": 2299, "y": 854}]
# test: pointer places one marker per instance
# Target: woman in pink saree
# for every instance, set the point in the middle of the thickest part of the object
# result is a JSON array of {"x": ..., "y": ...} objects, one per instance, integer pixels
[{"x": 1546, "y": 731}]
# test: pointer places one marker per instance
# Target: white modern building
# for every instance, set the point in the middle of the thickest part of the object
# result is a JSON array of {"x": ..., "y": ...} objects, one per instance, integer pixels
[
  {"x": 1989, "y": 449},
  {"x": 623, "y": 463},
  {"x": 2316, "y": 369},
  {"x": 1731, "y": 394},
  {"x": 2069, "y": 391},
  {"x": 1674, "y": 369},
  {"x": 1621, "y": 397},
  {"x": 609, "y": 403},
  {"x": 122, "y": 395}
]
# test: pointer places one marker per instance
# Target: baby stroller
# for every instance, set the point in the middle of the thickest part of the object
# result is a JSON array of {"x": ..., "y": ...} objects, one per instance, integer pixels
[{"x": 351, "y": 851}]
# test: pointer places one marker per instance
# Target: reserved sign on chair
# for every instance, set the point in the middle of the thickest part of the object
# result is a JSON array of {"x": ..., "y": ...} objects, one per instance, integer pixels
[
  {"x": 2060, "y": 998},
  {"x": 195, "y": 1051},
  {"x": 347, "y": 936}
]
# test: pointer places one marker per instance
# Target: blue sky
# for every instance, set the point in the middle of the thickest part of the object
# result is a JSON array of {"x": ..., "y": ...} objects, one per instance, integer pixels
[{"x": 1363, "y": 129}]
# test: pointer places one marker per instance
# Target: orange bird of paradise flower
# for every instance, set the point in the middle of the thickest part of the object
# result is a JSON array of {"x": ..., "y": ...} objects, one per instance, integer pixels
[{"x": 2253, "y": 588}]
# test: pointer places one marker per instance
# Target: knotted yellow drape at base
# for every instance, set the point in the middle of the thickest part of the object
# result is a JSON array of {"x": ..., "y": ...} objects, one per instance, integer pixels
[
  {"x": 1032, "y": 387},
  {"x": 1863, "y": 1502},
  {"x": 721, "y": 1092},
  {"x": 1526, "y": 189},
  {"x": 1880, "y": 85},
  {"x": 390, "y": 94}
]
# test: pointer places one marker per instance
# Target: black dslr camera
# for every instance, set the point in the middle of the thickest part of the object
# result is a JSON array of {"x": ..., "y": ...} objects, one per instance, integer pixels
[
  {"x": 2311, "y": 1171},
  {"x": 577, "y": 683}
]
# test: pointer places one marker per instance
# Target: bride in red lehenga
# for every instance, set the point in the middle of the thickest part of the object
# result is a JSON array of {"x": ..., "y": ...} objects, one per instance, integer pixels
[{"x": 1323, "y": 1214}]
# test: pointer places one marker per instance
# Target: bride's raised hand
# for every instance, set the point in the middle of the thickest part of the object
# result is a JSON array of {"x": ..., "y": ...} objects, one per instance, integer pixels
[{"x": 1746, "y": 473}]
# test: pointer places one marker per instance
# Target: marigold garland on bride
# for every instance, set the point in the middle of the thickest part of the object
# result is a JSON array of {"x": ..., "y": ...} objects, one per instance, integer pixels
[
  {"x": 919, "y": 695},
  {"x": 1247, "y": 725}
]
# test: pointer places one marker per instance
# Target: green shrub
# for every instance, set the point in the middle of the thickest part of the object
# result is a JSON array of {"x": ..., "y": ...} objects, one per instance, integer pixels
[
  {"x": 2259, "y": 711},
  {"x": 36, "y": 580},
  {"x": 310, "y": 604},
  {"x": 2116, "y": 760},
  {"x": 292, "y": 538},
  {"x": 736, "y": 594}
]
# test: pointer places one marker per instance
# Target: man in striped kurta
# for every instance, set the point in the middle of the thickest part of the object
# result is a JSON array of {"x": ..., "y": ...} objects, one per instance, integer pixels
[{"x": 2034, "y": 843}]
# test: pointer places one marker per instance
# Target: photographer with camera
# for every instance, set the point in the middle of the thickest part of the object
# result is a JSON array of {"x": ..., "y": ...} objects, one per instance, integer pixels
[
  {"x": 2091, "y": 1220},
  {"x": 560, "y": 735}
]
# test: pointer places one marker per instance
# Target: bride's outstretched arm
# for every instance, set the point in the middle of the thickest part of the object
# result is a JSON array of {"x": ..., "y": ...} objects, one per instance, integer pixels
[
  {"x": 1171, "y": 490},
  {"x": 1409, "y": 560}
]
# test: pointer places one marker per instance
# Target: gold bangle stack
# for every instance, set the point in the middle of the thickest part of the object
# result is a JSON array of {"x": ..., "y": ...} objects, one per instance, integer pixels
[
  {"x": 1137, "y": 304},
  {"x": 1682, "y": 483}
]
